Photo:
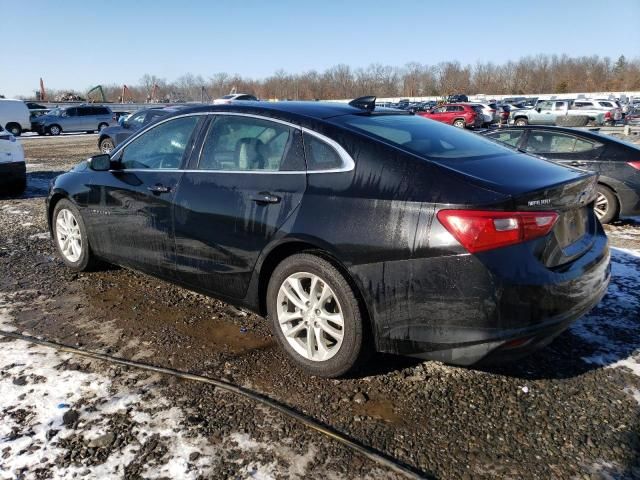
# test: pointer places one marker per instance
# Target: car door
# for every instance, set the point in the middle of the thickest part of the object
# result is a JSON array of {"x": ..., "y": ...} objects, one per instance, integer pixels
[
  {"x": 130, "y": 207},
  {"x": 70, "y": 121},
  {"x": 438, "y": 114},
  {"x": 247, "y": 181},
  {"x": 86, "y": 119},
  {"x": 546, "y": 114}
]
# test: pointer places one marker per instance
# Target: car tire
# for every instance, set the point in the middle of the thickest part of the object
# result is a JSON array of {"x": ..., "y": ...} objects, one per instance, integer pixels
[
  {"x": 572, "y": 121},
  {"x": 14, "y": 129},
  {"x": 106, "y": 145},
  {"x": 102, "y": 126},
  {"x": 459, "y": 123},
  {"x": 70, "y": 237},
  {"x": 606, "y": 205},
  {"x": 337, "y": 343},
  {"x": 521, "y": 122},
  {"x": 54, "y": 130}
]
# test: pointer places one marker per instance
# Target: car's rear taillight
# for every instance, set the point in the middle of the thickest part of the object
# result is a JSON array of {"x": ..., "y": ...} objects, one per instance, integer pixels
[
  {"x": 607, "y": 115},
  {"x": 480, "y": 230},
  {"x": 635, "y": 165}
]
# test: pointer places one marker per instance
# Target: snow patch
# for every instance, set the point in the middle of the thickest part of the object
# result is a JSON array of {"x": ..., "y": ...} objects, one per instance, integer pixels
[{"x": 613, "y": 328}]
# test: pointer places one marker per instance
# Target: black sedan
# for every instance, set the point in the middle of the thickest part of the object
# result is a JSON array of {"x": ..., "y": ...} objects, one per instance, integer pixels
[
  {"x": 617, "y": 162},
  {"x": 110, "y": 137},
  {"x": 350, "y": 228}
]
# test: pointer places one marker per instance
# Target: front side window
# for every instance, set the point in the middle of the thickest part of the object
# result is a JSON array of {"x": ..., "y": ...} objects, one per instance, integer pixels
[
  {"x": 545, "y": 106},
  {"x": 162, "y": 147},
  {"x": 510, "y": 137},
  {"x": 137, "y": 119},
  {"x": 238, "y": 143}
]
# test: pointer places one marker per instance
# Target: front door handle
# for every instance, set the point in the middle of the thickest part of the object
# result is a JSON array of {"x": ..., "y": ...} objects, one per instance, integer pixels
[
  {"x": 159, "y": 188},
  {"x": 578, "y": 164},
  {"x": 264, "y": 198}
]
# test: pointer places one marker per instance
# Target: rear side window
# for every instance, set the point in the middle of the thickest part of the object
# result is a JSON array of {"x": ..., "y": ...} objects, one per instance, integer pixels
[
  {"x": 552, "y": 142},
  {"x": 238, "y": 143},
  {"x": 320, "y": 155},
  {"x": 426, "y": 138}
]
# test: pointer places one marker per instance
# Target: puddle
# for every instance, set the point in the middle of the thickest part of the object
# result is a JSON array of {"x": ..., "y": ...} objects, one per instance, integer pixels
[
  {"x": 381, "y": 410},
  {"x": 225, "y": 334}
]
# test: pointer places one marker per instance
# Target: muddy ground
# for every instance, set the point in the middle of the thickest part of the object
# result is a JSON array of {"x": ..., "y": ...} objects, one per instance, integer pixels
[{"x": 571, "y": 410}]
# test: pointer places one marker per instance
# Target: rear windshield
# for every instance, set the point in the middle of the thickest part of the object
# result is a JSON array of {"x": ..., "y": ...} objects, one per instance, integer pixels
[{"x": 424, "y": 137}]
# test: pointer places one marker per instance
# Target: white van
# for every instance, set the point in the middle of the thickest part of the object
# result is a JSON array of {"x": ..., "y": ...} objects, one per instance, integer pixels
[{"x": 14, "y": 116}]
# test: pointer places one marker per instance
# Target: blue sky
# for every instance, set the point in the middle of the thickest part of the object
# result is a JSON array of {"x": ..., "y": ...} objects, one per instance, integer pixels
[{"x": 77, "y": 44}]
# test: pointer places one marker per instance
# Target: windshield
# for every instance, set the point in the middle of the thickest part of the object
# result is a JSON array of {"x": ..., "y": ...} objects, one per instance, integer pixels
[{"x": 424, "y": 137}]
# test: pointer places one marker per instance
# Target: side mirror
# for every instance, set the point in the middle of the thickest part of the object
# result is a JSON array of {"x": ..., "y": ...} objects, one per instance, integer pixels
[
  {"x": 100, "y": 163},
  {"x": 538, "y": 110}
]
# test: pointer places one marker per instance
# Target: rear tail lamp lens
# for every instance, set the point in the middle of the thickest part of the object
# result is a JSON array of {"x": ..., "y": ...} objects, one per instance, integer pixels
[
  {"x": 480, "y": 230},
  {"x": 635, "y": 165}
]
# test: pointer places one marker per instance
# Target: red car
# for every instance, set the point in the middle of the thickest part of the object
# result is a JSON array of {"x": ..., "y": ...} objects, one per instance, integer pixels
[{"x": 459, "y": 115}]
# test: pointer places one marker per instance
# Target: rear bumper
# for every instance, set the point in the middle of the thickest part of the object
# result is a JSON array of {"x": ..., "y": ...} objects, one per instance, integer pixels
[
  {"x": 482, "y": 318},
  {"x": 12, "y": 172}
]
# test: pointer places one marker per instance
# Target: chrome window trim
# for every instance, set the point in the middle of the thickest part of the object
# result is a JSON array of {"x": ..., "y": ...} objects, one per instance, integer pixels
[{"x": 347, "y": 162}]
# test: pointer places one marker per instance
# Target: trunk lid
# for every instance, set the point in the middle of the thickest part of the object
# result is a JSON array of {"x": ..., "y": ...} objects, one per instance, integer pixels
[
  {"x": 574, "y": 231},
  {"x": 535, "y": 184}
]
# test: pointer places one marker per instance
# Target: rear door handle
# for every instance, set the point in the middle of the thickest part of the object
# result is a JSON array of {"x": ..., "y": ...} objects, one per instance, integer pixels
[
  {"x": 264, "y": 198},
  {"x": 159, "y": 188},
  {"x": 578, "y": 164}
]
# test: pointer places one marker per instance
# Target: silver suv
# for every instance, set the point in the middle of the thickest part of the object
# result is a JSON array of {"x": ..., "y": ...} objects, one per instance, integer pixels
[{"x": 80, "y": 118}]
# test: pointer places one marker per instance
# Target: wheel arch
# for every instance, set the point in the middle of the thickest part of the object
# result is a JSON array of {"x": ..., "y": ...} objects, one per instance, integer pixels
[
  {"x": 53, "y": 201},
  {"x": 611, "y": 185},
  {"x": 294, "y": 246}
]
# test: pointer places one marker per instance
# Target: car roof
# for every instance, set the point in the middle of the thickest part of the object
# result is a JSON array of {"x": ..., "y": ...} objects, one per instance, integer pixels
[{"x": 283, "y": 110}]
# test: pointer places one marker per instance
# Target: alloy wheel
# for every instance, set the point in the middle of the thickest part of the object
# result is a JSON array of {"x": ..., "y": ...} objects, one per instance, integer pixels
[
  {"x": 310, "y": 316},
  {"x": 106, "y": 146},
  {"x": 54, "y": 130},
  {"x": 601, "y": 206},
  {"x": 68, "y": 235}
]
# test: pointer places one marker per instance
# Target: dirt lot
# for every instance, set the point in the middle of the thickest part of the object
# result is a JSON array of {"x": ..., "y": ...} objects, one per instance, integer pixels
[{"x": 569, "y": 411}]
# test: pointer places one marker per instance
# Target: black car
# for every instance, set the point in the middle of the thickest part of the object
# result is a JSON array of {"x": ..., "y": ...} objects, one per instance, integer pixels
[
  {"x": 349, "y": 227},
  {"x": 110, "y": 137},
  {"x": 616, "y": 162}
]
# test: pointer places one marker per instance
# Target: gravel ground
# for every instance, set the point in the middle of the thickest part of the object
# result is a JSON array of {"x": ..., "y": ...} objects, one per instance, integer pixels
[{"x": 571, "y": 410}]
